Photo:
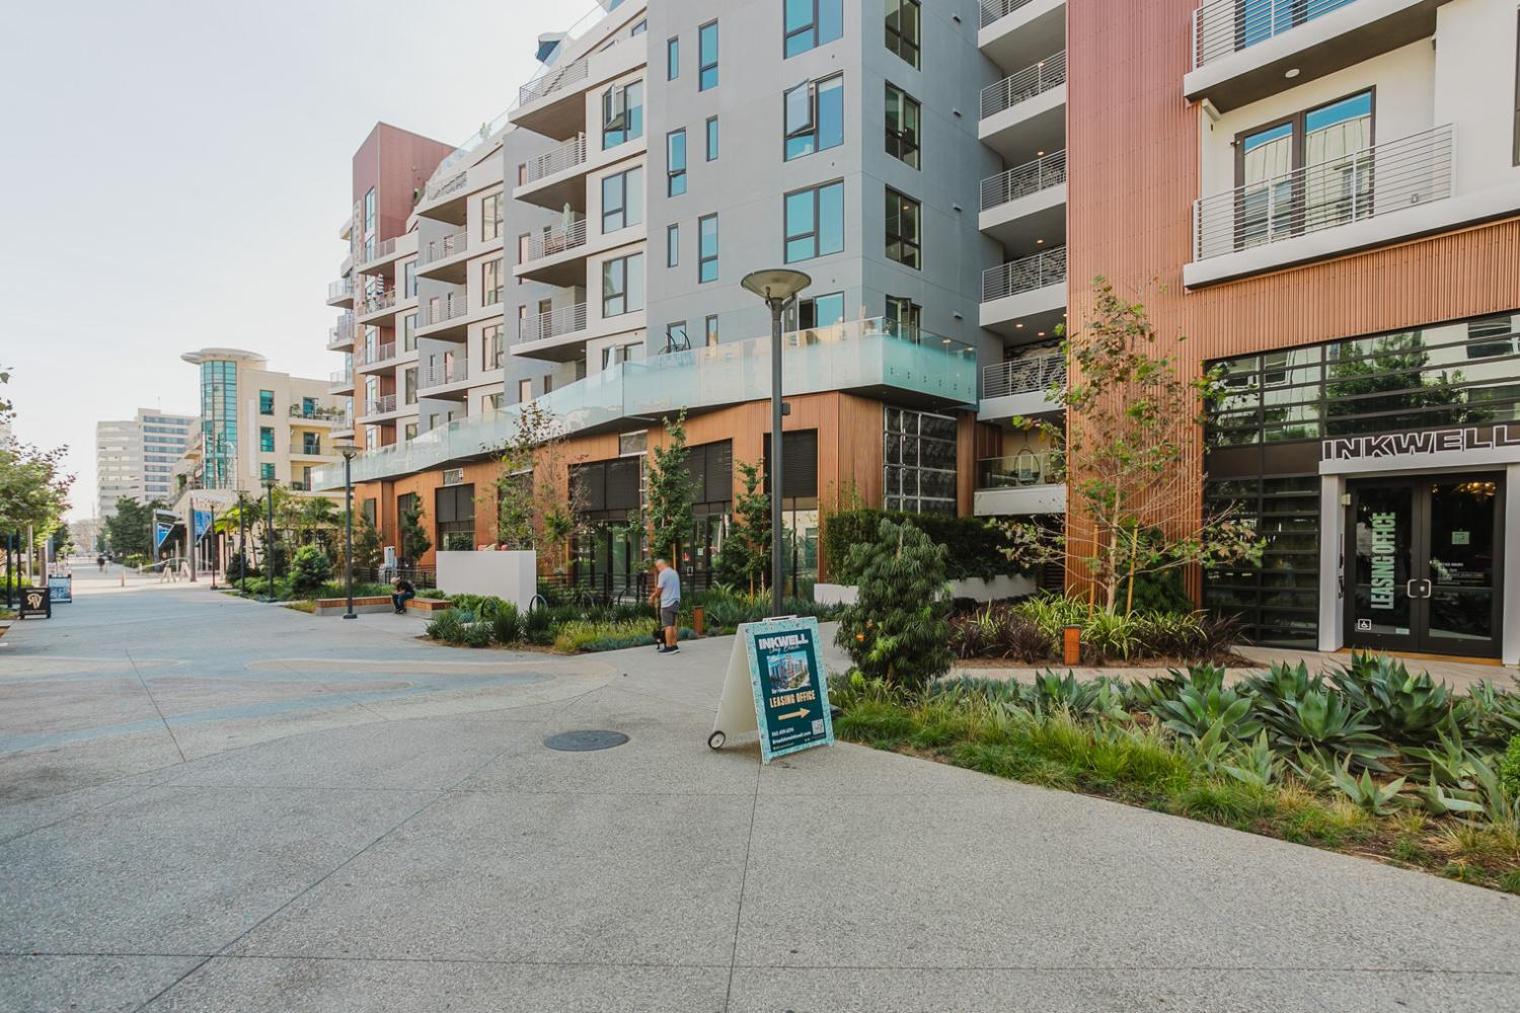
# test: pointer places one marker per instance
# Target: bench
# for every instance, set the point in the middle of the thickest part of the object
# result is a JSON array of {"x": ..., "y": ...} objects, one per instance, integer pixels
[
  {"x": 429, "y": 605},
  {"x": 364, "y": 605}
]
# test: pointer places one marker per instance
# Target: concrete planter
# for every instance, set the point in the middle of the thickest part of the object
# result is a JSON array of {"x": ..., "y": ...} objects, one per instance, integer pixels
[
  {"x": 975, "y": 588},
  {"x": 510, "y": 576}
]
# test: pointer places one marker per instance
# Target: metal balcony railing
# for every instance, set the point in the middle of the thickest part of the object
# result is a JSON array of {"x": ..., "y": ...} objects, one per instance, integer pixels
[
  {"x": 1019, "y": 471},
  {"x": 379, "y": 302},
  {"x": 441, "y": 249},
  {"x": 1028, "y": 274},
  {"x": 443, "y": 373},
  {"x": 341, "y": 289},
  {"x": 565, "y": 156},
  {"x": 553, "y": 81},
  {"x": 554, "y": 324},
  {"x": 1222, "y": 27},
  {"x": 441, "y": 309},
  {"x": 382, "y": 405},
  {"x": 1026, "y": 84},
  {"x": 996, "y": 10},
  {"x": 343, "y": 378},
  {"x": 557, "y": 239},
  {"x": 1023, "y": 180},
  {"x": 344, "y": 422},
  {"x": 1029, "y": 375},
  {"x": 317, "y": 413},
  {"x": 1377, "y": 180},
  {"x": 380, "y": 353},
  {"x": 300, "y": 448},
  {"x": 382, "y": 250}
]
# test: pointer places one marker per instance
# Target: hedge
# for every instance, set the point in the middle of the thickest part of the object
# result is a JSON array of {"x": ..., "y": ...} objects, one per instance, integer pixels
[{"x": 974, "y": 547}]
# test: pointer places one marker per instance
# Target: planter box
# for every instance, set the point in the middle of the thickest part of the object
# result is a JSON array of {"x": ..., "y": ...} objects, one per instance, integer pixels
[
  {"x": 975, "y": 588},
  {"x": 836, "y": 594},
  {"x": 510, "y": 576},
  {"x": 362, "y": 606}
]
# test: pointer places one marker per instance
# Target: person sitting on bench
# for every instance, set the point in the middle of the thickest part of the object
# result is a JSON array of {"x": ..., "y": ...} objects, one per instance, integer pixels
[{"x": 404, "y": 593}]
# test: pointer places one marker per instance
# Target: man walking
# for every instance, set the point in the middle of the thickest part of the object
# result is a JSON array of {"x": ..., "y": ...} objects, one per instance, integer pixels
[{"x": 667, "y": 597}]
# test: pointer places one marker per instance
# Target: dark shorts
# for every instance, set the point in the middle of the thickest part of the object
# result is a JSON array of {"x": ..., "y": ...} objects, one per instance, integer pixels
[{"x": 668, "y": 614}]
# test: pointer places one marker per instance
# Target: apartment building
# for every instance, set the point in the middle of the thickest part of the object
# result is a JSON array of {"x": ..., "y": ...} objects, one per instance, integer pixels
[
  {"x": 135, "y": 458},
  {"x": 1299, "y": 186}
]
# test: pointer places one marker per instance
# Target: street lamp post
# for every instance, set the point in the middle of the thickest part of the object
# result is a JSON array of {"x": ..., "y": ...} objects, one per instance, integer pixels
[
  {"x": 242, "y": 542},
  {"x": 269, "y": 485},
  {"x": 348, "y": 448},
  {"x": 779, "y": 288}
]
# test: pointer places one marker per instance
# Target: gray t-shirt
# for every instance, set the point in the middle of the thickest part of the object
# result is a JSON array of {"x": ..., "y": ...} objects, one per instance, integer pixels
[{"x": 670, "y": 587}]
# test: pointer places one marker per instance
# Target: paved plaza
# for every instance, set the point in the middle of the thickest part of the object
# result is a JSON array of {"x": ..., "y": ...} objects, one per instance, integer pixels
[{"x": 208, "y": 805}]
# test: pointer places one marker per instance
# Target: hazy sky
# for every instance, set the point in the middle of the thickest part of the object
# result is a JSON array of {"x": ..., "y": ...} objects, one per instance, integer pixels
[{"x": 174, "y": 175}]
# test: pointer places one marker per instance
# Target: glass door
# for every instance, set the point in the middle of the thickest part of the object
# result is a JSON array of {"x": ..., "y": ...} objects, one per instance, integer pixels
[
  {"x": 1383, "y": 590},
  {"x": 1463, "y": 557}
]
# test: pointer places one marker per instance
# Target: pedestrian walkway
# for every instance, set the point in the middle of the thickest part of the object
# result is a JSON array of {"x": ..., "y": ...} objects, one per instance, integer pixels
[{"x": 208, "y": 804}]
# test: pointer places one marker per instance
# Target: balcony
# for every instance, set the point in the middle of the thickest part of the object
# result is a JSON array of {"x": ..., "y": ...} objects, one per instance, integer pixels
[
  {"x": 444, "y": 379},
  {"x": 445, "y": 258},
  {"x": 341, "y": 293},
  {"x": 315, "y": 414},
  {"x": 553, "y": 179},
  {"x": 554, "y": 103},
  {"x": 1026, "y": 204},
  {"x": 558, "y": 335},
  {"x": 385, "y": 253},
  {"x": 376, "y": 359},
  {"x": 1024, "y": 115},
  {"x": 306, "y": 448},
  {"x": 375, "y": 308},
  {"x": 1020, "y": 485},
  {"x": 340, "y": 337},
  {"x": 1021, "y": 387},
  {"x": 444, "y": 317},
  {"x": 556, "y": 255},
  {"x": 1385, "y": 193},
  {"x": 862, "y": 356},
  {"x": 1015, "y": 33},
  {"x": 1246, "y": 50},
  {"x": 342, "y": 382},
  {"x": 382, "y": 405},
  {"x": 1026, "y": 298}
]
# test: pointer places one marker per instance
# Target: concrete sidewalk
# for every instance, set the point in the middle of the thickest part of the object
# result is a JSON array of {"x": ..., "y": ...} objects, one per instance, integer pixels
[{"x": 244, "y": 808}]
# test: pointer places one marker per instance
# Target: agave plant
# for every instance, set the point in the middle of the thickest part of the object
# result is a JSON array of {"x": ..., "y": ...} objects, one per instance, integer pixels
[
  {"x": 1405, "y": 708},
  {"x": 1321, "y": 719},
  {"x": 1377, "y": 799},
  {"x": 1256, "y": 765},
  {"x": 1196, "y": 711},
  {"x": 1488, "y": 715},
  {"x": 1448, "y": 762},
  {"x": 1438, "y": 800},
  {"x": 1283, "y": 682},
  {"x": 1146, "y": 694},
  {"x": 1097, "y": 698}
]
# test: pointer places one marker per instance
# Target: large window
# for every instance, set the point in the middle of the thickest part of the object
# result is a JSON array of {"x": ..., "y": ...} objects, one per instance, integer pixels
[
  {"x": 919, "y": 450},
  {"x": 676, "y": 338},
  {"x": 903, "y": 22},
  {"x": 623, "y": 285},
  {"x": 675, "y": 163},
  {"x": 266, "y": 440},
  {"x": 904, "y": 317},
  {"x": 490, "y": 220},
  {"x": 491, "y": 349},
  {"x": 266, "y": 402},
  {"x": 454, "y": 509},
  {"x": 903, "y": 230},
  {"x": 820, "y": 311},
  {"x": 812, "y": 23},
  {"x": 814, "y": 116},
  {"x": 622, "y": 114},
  {"x": 814, "y": 222},
  {"x": 902, "y": 125},
  {"x": 707, "y": 56},
  {"x": 490, "y": 282},
  {"x": 707, "y": 248},
  {"x": 622, "y": 200},
  {"x": 672, "y": 58},
  {"x": 1278, "y": 600}
]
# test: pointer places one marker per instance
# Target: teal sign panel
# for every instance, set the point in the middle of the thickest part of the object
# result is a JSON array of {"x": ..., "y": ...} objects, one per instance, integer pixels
[{"x": 791, "y": 686}]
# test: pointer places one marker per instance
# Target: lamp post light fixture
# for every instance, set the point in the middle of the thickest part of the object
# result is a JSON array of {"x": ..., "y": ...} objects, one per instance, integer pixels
[
  {"x": 779, "y": 288},
  {"x": 242, "y": 541},
  {"x": 269, "y": 484},
  {"x": 349, "y": 449}
]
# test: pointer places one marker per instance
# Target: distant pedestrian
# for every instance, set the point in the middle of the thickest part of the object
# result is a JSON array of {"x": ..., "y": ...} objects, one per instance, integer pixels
[
  {"x": 667, "y": 597},
  {"x": 100, "y": 561},
  {"x": 404, "y": 592}
]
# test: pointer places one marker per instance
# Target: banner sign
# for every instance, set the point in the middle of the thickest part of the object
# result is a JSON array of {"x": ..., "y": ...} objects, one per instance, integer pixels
[
  {"x": 161, "y": 531},
  {"x": 36, "y": 603},
  {"x": 203, "y": 519},
  {"x": 778, "y": 687},
  {"x": 61, "y": 588}
]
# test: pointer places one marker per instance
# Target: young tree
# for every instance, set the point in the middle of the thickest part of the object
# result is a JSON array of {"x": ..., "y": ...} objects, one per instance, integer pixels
[
  {"x": 414, "y": 536},
  {"x": 130, "y": 529},
  {"x": 539, "y": 506},
  {"x": 1125, "y": 461},
  {"x": 745, "y": 558},
  {"x": 897, "y": 629},
  {"x": 671, "y": 494}
]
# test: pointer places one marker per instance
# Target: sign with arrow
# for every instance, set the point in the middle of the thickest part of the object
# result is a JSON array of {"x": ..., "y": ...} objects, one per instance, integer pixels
[{"x": 778, "y": 687}]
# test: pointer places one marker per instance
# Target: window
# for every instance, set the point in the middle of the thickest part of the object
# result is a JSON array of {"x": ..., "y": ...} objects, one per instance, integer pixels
[
  {"x": 814, "y": 115},
  {"x": 524, "y": 391},
  {"x": 409, "y": 332},
  {"x": 707, "y": 248},
  {"x": 491, "y": 347},
  {"x": 266, "y": 402},
  {"x": 409, "y": 385},
  {"x": 919, "y": 456},
  {"x": 266, "y": 470},
  {"x": 622, "y": 114},
  {"x": 369, "y": 210},
  {"x": 712, "y": 138},
  {"x": 902, "y": 230},
  {"x": 814, "y": 222},
  {"x": 490, "y": 282},
  {"x": 675, "y": 337},
  {"x": 673, "y": 246},
  {"x": 902, "y": 125},
  {"x": 266, "y": 440},
  {"x": 409, "y": 280},
  {"x": 672, "y": 59},
  {"x": 309, "y": 407},
  {"x": 622, "y": 200},
  {"x": 820, "y": 311},
  {"x": 623, "y": 285},
  {"x": 903, "y": 20},
  {"x": 639, "y": 29},
  {"x": 812, "y": 23},
  {"x": 711, "y": 329},
  {"x": 548, "y": 383},
  {"x": 490, "y": 217},
  {"x": 904, "y": 317},
  {"x": 707, "y": 56},
  {"x": 675, "y": 163}
]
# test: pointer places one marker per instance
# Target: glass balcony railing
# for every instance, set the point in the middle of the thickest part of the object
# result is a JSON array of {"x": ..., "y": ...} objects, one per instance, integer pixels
[
  {"x": 1023, "y": 470},
  {"x": 858, "y": 355}
]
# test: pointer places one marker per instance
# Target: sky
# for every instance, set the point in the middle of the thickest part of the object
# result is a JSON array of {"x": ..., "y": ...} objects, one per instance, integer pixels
[{"x": 175, "y": 174}]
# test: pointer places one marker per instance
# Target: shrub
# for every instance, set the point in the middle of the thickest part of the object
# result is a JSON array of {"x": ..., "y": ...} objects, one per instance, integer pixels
[
  {"x": 538, "y": 627},
  {"x": 1405, "y": 708},
  {"x": 476, "y": 635},
  {"x": 1509, "y": 769},
  {"x": 587, "y": 635},
  {"x": 973, "y": 547},
  {"x": 446, "y": 626},
  {"x": 506, "y": 624},
  {"x": 999, "y": 630},
  {"x": 310, "y": 569},
  {"x": 897, "y": 630}
]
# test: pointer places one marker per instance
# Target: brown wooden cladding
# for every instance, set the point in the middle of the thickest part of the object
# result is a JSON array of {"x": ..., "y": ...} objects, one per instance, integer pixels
[{"x": 1133, "y": 174}]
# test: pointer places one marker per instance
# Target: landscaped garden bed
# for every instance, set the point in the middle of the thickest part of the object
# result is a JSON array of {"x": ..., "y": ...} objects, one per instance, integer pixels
[{"x": 1030, "y": 633}]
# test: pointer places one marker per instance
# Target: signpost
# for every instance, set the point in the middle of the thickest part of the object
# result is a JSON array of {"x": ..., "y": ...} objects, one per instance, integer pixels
[
  {"x": 61, "y": 588},
  {"x": 36, "y": 603},
  {"x": 777, "y": 686}
]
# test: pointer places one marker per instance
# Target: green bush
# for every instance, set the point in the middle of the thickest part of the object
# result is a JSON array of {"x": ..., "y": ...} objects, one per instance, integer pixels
[
  {"x": 446, "y": 626},
  {"x": 897, "y": 630},
  {"x": 538, "y": 627},
  {"x": 1509, "y": 769},
  {"x": 507, "y": 625},
  {"x": 476, "y": 635},
  {"x": 309, "y": 569},
  {"x": 578, "y": 634},
  {"x": 973, "y": 548}
]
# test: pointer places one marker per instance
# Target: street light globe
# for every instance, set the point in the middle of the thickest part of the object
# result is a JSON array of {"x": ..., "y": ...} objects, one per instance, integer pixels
[
  {"x": 346, "y": 447},
  {"x": 777, "y": 284}
]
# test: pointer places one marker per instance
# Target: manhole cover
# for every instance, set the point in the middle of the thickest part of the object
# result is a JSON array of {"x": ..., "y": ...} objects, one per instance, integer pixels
[{"x": 585, "y": 741}]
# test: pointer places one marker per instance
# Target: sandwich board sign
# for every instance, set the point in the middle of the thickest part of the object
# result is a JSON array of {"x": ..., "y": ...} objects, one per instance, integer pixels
[
  {"x": 61, "y": 588},
  {"x": 36, "y": 603},
  {"x": 777, "y": 686}
]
